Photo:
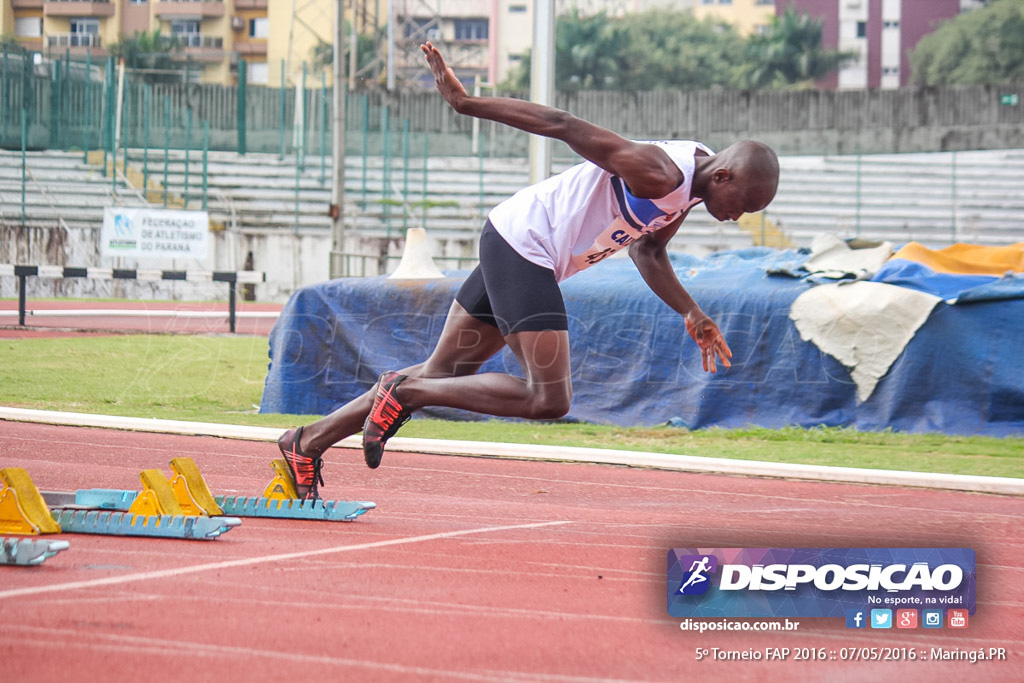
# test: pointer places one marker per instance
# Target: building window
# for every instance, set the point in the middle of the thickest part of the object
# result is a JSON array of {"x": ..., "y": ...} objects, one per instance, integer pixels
[
  {"x": 422, "y": 29},
  {"x": 89, "y": 27},
  {"x": 187, "y": 31},
  {"x": 890, "y": 71},
  {"x": 257, "y": 73},
  {"x": 28, "y": 27},
  {"x": 707, "y": 2},
  {"x": 765, "y": 2},
  {"x": 724, "y": 2},
  {"x": 891, "y": 24},
  {"x": 862, "y": 29},
  {"x": 470, "y": 29},
  {"x": 259, "y": 27},
  {"x": 517, "y": 9}
]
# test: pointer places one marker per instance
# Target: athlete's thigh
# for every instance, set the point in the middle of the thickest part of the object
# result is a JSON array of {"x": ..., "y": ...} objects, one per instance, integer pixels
[
  {"x": 543, "y": 355},
  {"x": 465, "y": 344}
]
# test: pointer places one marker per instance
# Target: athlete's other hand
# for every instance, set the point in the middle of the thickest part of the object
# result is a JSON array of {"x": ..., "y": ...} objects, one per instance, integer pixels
[
  {"x": 713, "y": 349},
  {"x": 447, "y": 84}
]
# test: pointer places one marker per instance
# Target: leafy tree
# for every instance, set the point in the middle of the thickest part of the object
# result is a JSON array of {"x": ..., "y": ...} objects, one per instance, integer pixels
[
  {"x": 9, "y": 44},
  {"x": 985, "y": 45},
  {"x": 790, "y": 53},
  {"x": 650, "y": 50},
  {"x": 151, "y": 55},
  {"x": 672, "y": 50},
  {"x": 366, "y": 52}
]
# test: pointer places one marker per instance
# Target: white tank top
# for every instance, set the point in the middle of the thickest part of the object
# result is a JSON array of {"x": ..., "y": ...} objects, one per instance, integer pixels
[{"x": 585, "y": 214}]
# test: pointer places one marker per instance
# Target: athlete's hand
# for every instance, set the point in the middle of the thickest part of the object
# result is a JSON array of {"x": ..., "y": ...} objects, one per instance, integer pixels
[
  {"x": 448, "y": 85},
  {"x": 713, "y": 349}
]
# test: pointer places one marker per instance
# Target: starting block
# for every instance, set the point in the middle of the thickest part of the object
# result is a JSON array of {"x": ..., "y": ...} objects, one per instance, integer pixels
[
  {"x": 26, "y": 551},
  {"x": 24, "y": 510},
  {"x": 193, "y": 497}
]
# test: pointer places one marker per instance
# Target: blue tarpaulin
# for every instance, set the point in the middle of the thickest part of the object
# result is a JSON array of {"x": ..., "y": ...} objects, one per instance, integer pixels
[{"x": 634, "y": 364}]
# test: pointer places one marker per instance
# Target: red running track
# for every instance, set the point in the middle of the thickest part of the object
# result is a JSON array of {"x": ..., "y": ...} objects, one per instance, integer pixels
[{"x": 470, "y": 569}]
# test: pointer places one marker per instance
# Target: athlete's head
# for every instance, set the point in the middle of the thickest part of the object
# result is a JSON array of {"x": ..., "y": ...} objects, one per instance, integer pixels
[{"x": 740, "y": 179}]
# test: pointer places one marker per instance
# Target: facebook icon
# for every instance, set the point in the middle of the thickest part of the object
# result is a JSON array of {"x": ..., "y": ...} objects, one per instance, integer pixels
[{"x": 856, "y": 618}]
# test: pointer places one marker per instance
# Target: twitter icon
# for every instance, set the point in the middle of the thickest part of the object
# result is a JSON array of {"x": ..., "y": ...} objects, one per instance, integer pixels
[{"x": 881, "y": 618}]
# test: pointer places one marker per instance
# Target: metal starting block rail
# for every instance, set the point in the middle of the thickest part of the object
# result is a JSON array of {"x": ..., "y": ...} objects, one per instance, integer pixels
[
  {"x": 181, "y": 507},
  {"x": 240, "y": 506},
  {"x": 190, "y": 492},
  {"x": 24, "y": 510},
  {"x": 157, "y": 526}
]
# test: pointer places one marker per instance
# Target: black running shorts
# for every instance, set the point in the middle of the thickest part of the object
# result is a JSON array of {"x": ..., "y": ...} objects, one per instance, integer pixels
[{"x": 509, "y": 292}]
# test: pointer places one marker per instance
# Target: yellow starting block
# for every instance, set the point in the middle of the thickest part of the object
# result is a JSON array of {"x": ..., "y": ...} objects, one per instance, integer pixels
[
  {"x": 282, "y": 486},
  {"x": 22, "y": 508},
  {"x": 191, "y": 490}
]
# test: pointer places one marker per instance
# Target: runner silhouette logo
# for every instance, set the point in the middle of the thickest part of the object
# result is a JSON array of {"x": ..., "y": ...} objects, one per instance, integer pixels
[{"x": 697, "y": 578}]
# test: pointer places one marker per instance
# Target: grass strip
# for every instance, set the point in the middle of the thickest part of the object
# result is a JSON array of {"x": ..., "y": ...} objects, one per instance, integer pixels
[{"x": 220, "y": 379}]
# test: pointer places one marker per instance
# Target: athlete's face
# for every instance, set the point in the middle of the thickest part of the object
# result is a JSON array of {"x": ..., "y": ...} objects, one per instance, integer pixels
[{"x": 729, "y": 198}]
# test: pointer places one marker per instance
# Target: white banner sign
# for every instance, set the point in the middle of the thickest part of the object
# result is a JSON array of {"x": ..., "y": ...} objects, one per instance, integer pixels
[{"x": 155, "y": 233}]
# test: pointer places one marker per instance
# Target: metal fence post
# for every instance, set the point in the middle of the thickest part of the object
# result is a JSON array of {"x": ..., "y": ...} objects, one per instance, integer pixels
[
  {"x": 206, "y": 151},
  {"x": 188, "y": 148},
  {"x": 167, "y": 142},
  {"x": 282, "y": 122},
  {"x": 3, "y": 95},
  {"x": 145, "y": 142},
  {"x": 241, "y": 105},
  {"x": 24, "y": 142},
  {"x": 88, "y": 107}
]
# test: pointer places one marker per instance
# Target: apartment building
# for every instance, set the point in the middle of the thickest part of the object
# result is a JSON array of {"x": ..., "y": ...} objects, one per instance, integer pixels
[
  {"x": 748, "y": 16},
  {"x": 272, "y": 36},
  {"x": 882, "y": 33}
]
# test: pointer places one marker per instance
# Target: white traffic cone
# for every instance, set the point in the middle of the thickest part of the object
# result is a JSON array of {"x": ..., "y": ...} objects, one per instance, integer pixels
[{"x": 416, "y": 263}]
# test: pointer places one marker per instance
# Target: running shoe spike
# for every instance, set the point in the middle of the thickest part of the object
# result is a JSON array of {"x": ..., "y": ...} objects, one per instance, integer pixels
[
  {"x": 386, "y": 416},
  {"x": 304, "y": 469}
]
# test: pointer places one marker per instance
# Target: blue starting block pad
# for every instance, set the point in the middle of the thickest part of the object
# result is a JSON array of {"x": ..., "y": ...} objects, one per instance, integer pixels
[
  {"x": 159, "y": 526},
  {"x": 28, "y": 552},
  {"x": 240, "y": 506}
]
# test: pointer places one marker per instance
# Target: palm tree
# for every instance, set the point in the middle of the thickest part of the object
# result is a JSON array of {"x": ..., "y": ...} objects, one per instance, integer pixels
[
  {"x": 790, "y": 53},
  {"x": 150, "y": 54}
]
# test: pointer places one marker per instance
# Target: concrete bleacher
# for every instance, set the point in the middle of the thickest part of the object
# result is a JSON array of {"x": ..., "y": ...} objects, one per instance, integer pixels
[
  {"x": 936, "y": 199},
  {"x": 59, "y": 188},
  {"x": 259, "y": 204}
]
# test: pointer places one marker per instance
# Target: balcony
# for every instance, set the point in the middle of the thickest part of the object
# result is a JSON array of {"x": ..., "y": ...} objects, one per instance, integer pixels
[
  {"x": 250, "y": 4},
  {"x": 169, "y": 9},
  {"x": 26, "y": 4},
  {"x": 78, "y": 8},
  {"x": 199, "y": 48},
  {"x": 77, "y": 43},
  {"x": 250, "y": 47}
]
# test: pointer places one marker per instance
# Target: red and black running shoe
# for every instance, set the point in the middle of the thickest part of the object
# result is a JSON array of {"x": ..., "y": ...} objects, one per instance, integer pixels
[
  {"x": 304, "y": 469},
  {"x": 386, "y": 416}
]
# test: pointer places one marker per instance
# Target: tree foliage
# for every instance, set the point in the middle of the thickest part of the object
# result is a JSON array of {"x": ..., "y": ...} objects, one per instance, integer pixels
[
  {"x": 150, "y": 54},
  {"x": 985, "y": 45},
  {"x": 322, "y": 53},
  {"x": 790, "y": 53},
  {"x": 664, "y": 49}
]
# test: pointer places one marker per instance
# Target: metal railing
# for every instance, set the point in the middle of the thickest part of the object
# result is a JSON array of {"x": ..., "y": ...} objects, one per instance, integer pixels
[{"x": 73, "y": 39}]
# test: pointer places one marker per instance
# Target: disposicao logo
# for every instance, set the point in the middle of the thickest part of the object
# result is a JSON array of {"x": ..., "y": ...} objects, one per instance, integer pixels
[
  {"x": 696, "y": 581},
  {"x": 819, "y": 582}
]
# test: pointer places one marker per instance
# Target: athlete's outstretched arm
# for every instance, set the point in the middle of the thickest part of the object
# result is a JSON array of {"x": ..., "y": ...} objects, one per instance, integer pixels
[
  {"x": 647, "y": 169},
  {"x": 650, "y": 255}
]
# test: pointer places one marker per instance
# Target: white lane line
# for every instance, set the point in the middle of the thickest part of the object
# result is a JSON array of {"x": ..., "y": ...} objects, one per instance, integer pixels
[
  {"x": 180, "y": 571},
  {"x": 687, "y": 463}
]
